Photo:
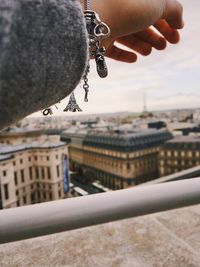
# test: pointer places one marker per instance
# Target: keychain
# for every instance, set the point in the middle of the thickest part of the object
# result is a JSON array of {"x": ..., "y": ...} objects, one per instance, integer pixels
[{"x": 97, "y": 31}]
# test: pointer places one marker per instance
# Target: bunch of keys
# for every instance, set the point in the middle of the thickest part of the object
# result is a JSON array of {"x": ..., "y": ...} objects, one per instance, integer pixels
[{"x": 97, "y": 31}]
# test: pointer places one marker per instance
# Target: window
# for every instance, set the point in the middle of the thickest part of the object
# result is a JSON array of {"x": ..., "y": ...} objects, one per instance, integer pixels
[
  {"x": 29, "y": 158},
  {"x": 32, "y": 197},
  {"x": 14, "y": 163},
  {"x": 6, "y": 192},
  {"x": 21, "y": 161},
  {"x": 22, "y": 176},
  {"x": 36, "y": 158},
  {"x": 58, "y": 170},
  {"x": 128, "y": 166},
  {"x": 48, "y": 158},
  {"x": 43, "y": 173},
  {"x": 17, "y": 192},
  {"x": 49, "y": 173},
  {"x": 182, "y": 153},
  {"x": 169, "y": 153},
  {"x": 50, "y": 196},
  {"x": 15, "y": 176},
  {"x": 24, "y": 199},
  {"x": 36, "y": 172},
  {"x": 4, "y": 173},
  {"x": 30, "y": 173},
  {"x": 176, "y": 153}
]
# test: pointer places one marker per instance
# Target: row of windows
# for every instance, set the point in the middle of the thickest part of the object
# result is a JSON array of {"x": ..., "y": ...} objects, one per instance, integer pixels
[
  {"x": 170, "y": 153},
  {"x": 37, "y": 197},
  {"x": 114, "y": 153},
  {"x": 34, "y": 172},
  {"x": 40, "y": 158},
  {"x": 35, "y": 158},
  {"x": 21, "y": 176}
]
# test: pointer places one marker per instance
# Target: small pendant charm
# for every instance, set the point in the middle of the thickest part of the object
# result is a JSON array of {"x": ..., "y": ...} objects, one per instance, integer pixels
[
  {"x": 47, "y": 111},
  {"x": 72, "y": 105},
  {"x": 102, "y": 69}
]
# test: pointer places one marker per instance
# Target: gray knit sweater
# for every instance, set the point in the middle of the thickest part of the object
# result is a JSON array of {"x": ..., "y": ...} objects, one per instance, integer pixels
[{"x": 43, "y": 50}]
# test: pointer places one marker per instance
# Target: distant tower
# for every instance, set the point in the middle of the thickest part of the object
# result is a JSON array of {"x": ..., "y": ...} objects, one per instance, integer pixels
[{"x": 144, "y": 102}]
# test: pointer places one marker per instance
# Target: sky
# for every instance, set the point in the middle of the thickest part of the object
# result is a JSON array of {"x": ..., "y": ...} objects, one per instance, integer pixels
[{"x": 169, "y": 79}]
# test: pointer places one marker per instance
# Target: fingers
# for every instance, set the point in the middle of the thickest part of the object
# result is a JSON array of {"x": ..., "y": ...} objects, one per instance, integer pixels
[
  {"x": 136, "y": 44},
  {"x": 121, "y": 55},
  {"x": 173, "y": 14},
  {"x": 152, "y": 38},
  {"x": 170, "y": 34},
  {"x": 143, "y": 42}
]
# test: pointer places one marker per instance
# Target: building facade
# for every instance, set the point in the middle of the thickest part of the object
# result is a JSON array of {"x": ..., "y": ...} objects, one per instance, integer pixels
[
  {"x": 180, "y": 153},
  {"x": 116, "y": 160},
  {"x": 31, "y": 173}
]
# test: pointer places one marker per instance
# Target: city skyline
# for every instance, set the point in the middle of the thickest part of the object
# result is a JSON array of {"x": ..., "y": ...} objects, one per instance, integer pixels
[{"x": 169, "y": 78}]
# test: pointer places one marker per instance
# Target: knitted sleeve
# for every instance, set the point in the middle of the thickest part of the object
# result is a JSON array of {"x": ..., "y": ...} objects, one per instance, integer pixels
[{"x": 43, "y": 52}]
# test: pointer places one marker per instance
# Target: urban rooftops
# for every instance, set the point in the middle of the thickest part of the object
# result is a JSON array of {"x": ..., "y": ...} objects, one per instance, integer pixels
[
  {"x": 183, "y": 142},
  {"x": 7, "y": 149},
  {"x": 129, "y": 141}
]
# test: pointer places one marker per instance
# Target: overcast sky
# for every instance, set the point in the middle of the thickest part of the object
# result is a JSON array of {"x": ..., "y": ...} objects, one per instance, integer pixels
[{"x": 170, "y": 78}]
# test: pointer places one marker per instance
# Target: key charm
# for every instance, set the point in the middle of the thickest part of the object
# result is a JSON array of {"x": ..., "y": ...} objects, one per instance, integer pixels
[{"x": 101, "y": 63}]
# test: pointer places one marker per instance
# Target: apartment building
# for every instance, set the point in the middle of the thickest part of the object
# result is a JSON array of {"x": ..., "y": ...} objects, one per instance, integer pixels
[
  {"x": 180, "y": 153},
  {"x": 32, "y": 173},
  {"x": 117, "y": 160}
]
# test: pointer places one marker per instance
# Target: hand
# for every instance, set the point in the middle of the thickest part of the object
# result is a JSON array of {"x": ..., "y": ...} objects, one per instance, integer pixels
[{"x": 130, "y": 21}]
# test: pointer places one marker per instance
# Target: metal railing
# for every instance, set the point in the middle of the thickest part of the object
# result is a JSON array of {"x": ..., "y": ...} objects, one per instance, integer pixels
[{"x": 57, "y": 216}]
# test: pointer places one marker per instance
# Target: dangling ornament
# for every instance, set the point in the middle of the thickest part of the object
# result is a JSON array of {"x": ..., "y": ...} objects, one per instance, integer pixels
[
  {"x": 97, "y": 31},
  {"x": 47, "y": 111},
  {"x": 72, "y": 105}
]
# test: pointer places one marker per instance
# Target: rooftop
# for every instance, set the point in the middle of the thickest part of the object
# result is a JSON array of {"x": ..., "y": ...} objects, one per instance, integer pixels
[
  {"x": 5, "y": 157},
  {"x": 128, "y": 141},
  {"x": 183, "y": 143},
  {"x": 7, "y": 149},
  {"x": 185, "y": 139},
  {"x": 168, "y": 239}
]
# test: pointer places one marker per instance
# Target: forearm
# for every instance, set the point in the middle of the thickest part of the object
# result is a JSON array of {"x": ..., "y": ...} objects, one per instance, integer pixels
[{"x": 43, "y": 52}]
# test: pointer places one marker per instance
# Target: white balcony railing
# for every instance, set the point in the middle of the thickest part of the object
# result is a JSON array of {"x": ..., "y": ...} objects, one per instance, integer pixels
[{"x": 57, "y": 216}]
